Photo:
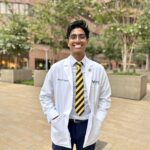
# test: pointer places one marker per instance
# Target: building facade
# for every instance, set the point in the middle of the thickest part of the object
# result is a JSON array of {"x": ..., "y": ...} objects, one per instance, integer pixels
[
  {"x": 39, "y": 55},
  {"x": 36, "y": 58}
]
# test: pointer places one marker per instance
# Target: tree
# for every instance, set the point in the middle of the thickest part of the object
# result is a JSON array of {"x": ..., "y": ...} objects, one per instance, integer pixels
[
  {"x": 122, "y": 19},
  {"x": 14, "y": 36},
  {"x": 94, "y": 47},
  {"x": 51, "y": 19},
  {"x": 144, "y": 39},
  {"x": 110, "y": 47}
]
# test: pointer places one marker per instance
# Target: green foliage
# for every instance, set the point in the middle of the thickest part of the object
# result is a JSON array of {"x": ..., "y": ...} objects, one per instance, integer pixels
[
  {"x": 94, "y": 46},
  {"x": 52, "y": 18},
  {"x": 26, "y": 82},
  {"x": 14, "y": 35},
  {"x": 111, "y": 47},
  {"x": 144, "y": 39},
  {"x": 125, "y": 26},
  {"x": 127, "y": 73}
]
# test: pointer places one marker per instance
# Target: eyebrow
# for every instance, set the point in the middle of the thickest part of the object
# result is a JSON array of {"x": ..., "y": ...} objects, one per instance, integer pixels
[{"x": 77, "y": 34}]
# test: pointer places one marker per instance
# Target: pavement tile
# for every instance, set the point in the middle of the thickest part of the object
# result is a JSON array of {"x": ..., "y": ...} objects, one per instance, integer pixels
[{"x": 24, "y": 127}]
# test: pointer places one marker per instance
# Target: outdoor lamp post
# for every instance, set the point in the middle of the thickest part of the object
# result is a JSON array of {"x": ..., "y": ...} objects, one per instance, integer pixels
[{"x": 46, "y": 59}]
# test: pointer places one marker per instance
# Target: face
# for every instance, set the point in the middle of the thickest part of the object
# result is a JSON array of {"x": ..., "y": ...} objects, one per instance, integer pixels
[{"x": 77, "y": 41}]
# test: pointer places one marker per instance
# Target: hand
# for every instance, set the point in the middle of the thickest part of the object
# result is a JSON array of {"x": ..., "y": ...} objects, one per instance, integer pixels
[{"x": 55, "y": 117}]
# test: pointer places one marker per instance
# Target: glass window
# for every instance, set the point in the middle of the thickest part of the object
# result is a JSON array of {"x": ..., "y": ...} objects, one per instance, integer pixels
[
  {"x": 3, "y": 8},
  {"x": 26, "y": 9},
  {"x": 22, "y": 9},
  {"x": 16, "y": 8}
]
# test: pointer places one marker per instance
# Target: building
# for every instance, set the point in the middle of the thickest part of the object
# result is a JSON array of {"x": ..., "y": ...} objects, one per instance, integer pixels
[
  {"x": 36, "y": 58},
  {"x": 39, "y": 55},
  {"x": 22, "y": 7},
  {"x": 19, "y": 6}
]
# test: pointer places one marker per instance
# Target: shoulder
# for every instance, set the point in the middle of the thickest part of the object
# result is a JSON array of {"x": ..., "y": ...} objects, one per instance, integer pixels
[
  {"x": 59, "y": 64},
  {"x": 95, "y": 64},
  {"x": 55, "y": 68}
]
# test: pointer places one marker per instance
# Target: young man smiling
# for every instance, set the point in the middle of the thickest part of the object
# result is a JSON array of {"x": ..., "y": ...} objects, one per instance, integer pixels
[{"x": 75, "y": 95}]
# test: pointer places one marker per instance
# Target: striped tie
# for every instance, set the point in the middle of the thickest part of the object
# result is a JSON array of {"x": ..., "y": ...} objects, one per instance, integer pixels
[{"x": 79, "y": 95}]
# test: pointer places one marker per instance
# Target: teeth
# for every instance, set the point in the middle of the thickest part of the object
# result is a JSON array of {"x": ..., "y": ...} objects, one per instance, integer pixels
[{"x": 77, "y": 46}]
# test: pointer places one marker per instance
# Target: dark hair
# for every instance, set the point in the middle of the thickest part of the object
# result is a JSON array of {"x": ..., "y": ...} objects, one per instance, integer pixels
[{"x": 78, "y": 24}]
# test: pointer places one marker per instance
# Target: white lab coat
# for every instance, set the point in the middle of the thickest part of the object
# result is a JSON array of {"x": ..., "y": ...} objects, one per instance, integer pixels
[{"x": 56, "y": 98}]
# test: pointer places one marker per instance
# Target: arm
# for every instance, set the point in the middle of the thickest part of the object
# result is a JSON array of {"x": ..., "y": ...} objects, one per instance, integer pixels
[
  {"x": 47, "y": 96},
  {"x": 104, "y": 97}
]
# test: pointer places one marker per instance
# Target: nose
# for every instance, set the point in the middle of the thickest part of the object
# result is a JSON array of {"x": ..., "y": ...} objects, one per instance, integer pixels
[{"x": 77, "y": 39}]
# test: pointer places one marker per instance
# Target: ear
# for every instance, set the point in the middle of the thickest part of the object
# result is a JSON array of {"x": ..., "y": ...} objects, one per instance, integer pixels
[
  {"x": 87, "y": 41},
  {"x": 68, "y": 43}
]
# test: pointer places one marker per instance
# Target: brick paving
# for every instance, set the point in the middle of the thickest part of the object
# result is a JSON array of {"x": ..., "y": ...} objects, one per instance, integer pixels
[{"x": 24, "y": 127}]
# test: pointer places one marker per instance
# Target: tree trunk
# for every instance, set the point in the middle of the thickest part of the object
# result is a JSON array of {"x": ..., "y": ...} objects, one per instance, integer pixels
[
  {"x": 147, "y": 63},
  {"x": 124, "y": 54},
  {"x": 130, "y": 58},
  {"x": 16, "y": 62}
]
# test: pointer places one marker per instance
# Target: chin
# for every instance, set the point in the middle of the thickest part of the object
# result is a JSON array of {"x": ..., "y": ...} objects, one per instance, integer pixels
[{"x": 78, "y": 52}]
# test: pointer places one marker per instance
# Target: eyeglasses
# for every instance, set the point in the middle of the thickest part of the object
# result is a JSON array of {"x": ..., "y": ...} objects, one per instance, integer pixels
[{"x": 79, "y": 36}]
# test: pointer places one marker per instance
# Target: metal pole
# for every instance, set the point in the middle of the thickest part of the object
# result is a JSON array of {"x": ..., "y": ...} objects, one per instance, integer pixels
[{"x": 46, "y": 59}]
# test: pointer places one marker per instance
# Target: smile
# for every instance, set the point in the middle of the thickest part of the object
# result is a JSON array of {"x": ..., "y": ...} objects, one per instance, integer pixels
[{"x": 77, "y": 46}]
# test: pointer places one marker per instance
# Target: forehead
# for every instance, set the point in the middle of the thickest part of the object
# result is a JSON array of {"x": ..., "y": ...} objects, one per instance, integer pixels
[{"x": 77, "y": 31}]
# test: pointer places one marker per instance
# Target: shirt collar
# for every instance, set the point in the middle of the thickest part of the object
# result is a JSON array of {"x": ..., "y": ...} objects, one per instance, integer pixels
[{"x": 73, "y": 60}]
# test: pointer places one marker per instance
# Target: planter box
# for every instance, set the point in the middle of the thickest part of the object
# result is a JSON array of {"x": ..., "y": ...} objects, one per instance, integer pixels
[
  {"x": 147, "y": 73},
  {"x": 128, "y": 86},
  {"x": 10, "y": 75},
  {"x": 148, "y": 76},
  {"x": 39, "y": 76}
]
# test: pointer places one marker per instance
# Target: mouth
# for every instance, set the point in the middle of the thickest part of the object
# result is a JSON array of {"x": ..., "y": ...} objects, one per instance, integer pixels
[{"x": 77, "y": 46}]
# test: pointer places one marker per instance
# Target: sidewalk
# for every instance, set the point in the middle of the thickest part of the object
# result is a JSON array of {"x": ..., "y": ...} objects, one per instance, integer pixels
[{"x": 24, "y": 127}]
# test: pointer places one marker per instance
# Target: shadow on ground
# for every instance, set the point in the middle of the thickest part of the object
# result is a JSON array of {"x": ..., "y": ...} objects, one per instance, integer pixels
[{"x": 101, "y": 145}]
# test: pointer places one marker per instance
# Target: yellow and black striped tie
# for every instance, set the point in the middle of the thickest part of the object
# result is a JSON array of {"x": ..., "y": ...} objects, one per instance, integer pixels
[{"x": 79, "y": 95}]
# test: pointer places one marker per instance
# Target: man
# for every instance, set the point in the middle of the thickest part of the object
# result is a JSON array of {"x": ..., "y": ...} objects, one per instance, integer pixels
[{"x": 75, "y": 96}]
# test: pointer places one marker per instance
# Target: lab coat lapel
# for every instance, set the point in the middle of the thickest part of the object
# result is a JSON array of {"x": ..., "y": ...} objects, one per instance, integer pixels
[
  {"x": 88, "y": 75},
  {"x": 68, "y": 70}
]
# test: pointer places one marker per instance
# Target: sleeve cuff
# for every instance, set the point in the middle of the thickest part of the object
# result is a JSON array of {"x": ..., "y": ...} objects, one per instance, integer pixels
[{"x": 50, "y": 117}]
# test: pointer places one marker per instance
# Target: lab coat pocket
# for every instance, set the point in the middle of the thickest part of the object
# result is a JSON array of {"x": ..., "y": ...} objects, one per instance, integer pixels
[
  {"x": 95, "y": 130},
  {"x": 59, "y": 130},
  {"x": 55, "y": 120}
]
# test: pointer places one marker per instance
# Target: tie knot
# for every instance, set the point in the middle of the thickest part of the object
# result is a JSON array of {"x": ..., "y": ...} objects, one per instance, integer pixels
[{"x": 79, "y": 64}]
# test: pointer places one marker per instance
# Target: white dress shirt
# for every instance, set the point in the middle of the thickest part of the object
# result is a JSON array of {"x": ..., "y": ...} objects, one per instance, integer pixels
[{"x": 87, "y": 110}]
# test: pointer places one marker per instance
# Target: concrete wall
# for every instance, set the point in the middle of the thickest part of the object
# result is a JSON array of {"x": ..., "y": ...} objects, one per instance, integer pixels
[
  {"x": 143, "y": 72},
  {"x": 39, "y": 76},
  {"x": 147, "y": 73},
  {"x": 127, "y": 86},
  {"x": 10, "y": 75}
]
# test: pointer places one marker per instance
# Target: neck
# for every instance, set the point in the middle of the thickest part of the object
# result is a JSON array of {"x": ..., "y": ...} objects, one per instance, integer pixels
[{"x": 78, "y": 57}]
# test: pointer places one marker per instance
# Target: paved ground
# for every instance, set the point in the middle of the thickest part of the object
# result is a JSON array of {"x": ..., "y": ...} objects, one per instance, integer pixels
[{"x": 23, "y": 126}]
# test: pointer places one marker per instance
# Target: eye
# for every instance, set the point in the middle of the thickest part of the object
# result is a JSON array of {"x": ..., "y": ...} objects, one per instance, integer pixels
[
  {"x": 73, "y": 37},
  {"x": 82, "y": 36}
]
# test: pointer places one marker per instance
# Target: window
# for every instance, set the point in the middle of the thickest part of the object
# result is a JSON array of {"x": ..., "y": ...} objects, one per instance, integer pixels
[
  {"x": 2, "y": 8},
  {"x": 22, "y": 9},
  {"x": 17, "y": 8},
  {"x": 26, "y": 9}
]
